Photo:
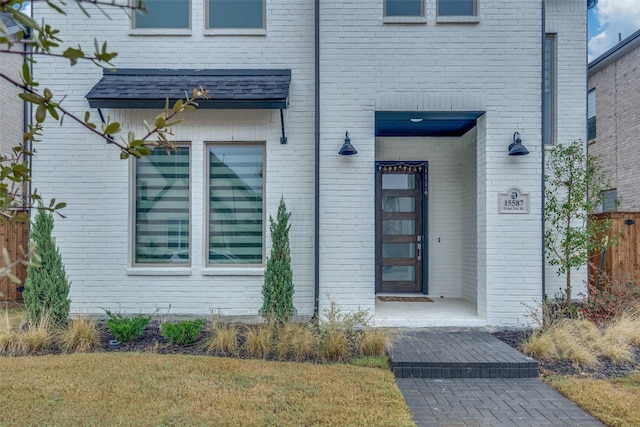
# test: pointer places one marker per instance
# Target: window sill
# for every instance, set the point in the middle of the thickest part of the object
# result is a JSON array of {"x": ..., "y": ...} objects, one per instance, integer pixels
[
  {"x": 233, "y": 271},
  {"x": 235, "y": 32},
  {"x": 160, "y": 32},
  {"x": 156, "y": 271},
  {"x": 458, "y": 19},
  {"x": 404, "y": 20}
]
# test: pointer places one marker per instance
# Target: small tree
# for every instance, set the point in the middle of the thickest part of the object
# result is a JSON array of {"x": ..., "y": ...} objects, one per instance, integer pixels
[
  {"x": 46, "y": 289},
  {"x": 278, "y": 290},
  {"x": 574, "y": 188}
]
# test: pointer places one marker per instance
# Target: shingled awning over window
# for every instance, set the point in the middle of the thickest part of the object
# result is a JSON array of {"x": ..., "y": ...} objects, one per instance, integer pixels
[{"x": 230, "y": 89}]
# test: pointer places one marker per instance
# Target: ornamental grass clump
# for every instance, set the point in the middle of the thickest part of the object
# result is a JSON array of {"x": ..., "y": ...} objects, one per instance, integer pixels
[
  {"x": 374, "y": 342},
  {"x": 125, "y": 328},
  {"x": 222, "y": 339},
  {"x": 297, "y": 341},
  {"x": 38, "y": 337},
  {"x": 619, "y": 338},
  {"x": 81, "y": 336},
  {"x": 259, "y": 340}
]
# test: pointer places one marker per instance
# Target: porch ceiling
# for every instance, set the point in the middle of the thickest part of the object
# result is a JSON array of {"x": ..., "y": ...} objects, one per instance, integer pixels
[{"x": 425, "y": 123}]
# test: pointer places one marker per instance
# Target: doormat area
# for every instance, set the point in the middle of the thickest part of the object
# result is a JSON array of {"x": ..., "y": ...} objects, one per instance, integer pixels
[{"x": 405, "y": 299}]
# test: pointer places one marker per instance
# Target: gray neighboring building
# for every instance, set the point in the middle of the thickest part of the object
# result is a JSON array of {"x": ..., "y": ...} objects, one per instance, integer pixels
[{"x": 613, "y": 119}]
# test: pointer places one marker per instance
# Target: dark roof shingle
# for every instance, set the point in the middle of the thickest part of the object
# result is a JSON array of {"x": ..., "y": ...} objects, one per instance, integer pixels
[{"x": 149, "y": 88}]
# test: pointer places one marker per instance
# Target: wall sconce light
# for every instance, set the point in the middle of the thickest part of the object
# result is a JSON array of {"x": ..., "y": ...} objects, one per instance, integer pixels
[
  {"x": 516, "y": 148},
  {"x": 347, "y": 149}
]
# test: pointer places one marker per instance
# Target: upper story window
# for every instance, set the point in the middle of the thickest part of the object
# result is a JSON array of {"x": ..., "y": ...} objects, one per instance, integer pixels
[
  {"x": 231, "y": 14},
  {"x": 549, "y": 90},
  {"x": 404, "y": 8},
  {"x": 591, "y": 115},
  {"x": 164, "y": 14},
  {"x": 457, "y": 8}
]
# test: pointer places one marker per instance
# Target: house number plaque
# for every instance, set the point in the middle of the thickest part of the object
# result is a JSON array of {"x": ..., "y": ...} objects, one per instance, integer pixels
[{"x": 513, "y": 201}]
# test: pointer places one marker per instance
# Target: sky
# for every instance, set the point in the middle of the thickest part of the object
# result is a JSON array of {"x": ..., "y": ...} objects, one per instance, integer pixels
[{"x": 607, "y": 20}]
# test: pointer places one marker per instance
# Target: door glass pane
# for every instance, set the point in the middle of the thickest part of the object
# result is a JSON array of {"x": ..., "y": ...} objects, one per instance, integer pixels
[
  {"x": 402, "y": 273},
  {"x": 398, "y": 250},
  {"x": 398, "y": 204},
  {"x": 398, "y": 181},
  {"x": 399, "y": 227}
]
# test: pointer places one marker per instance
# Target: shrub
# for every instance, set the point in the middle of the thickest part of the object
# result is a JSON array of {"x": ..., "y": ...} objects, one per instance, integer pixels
[
  {"x": 278, "y": 289},
  {"x": 81, "y": 335},
  {"x": 125, "y": 328},
  {"x": 46, "y": 289},
  {"x": 223, "y": 339},
  {"x": 182, "y": 333},
  {"x": 612, "y": 297}
]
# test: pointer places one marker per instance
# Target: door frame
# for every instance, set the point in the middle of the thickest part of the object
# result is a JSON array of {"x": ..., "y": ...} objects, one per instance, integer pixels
[{"x": 423, "y": 168}]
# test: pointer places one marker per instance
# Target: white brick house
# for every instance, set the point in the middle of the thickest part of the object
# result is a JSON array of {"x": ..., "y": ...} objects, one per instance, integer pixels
[{"x": 431, "y": 93}]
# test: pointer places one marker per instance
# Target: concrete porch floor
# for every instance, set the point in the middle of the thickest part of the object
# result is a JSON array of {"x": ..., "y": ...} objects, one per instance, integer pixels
[{"x": 442, "y": 312}]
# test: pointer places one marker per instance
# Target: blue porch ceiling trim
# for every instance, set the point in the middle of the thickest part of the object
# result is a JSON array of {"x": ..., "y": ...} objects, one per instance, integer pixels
[
  {"x": 229, "y": 89},
  {"x": 425, "y": 123}
]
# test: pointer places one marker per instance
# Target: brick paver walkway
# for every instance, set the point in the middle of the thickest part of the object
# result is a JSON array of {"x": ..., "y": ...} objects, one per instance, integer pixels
[{"x": 489, "y": 399}]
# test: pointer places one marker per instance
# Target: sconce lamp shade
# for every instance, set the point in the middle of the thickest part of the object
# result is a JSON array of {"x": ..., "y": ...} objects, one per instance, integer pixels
[
  {"x": 516, "y": 148},
  {"x": 347, "y": 149}
]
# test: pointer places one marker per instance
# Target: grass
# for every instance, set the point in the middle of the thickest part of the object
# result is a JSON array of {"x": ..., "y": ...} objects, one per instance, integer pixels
[
  {"x": 614, "y": 402},
  {"x": 147, "y": 389},
  {"x": 81, "y": 335}
]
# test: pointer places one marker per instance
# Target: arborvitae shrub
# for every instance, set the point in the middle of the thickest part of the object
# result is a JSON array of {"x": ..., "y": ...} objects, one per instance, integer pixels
[
  {"x": 278, "y": 290},
  {"x": 46, "y": 289}
]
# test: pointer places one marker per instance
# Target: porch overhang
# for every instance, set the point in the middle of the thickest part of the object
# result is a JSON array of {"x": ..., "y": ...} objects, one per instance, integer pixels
[
  {"x": 425, "y": 123},
  {"x": 228, "y": 89}
]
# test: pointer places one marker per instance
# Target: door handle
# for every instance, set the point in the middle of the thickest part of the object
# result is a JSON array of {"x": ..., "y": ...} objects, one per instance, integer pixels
[{"x": 419, "y": 247}]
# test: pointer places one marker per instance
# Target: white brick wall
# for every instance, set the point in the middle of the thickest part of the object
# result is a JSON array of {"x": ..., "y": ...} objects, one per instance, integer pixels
[
  {"x": 564, "y": 18},
  {"x": 95, "y": 240},
  {"x": 365, "y": 66},
  {"x": 11, "y": 107}
]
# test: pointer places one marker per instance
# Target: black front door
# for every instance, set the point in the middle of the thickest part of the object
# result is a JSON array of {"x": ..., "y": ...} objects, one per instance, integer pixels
[{"x": 399, "y": 227}]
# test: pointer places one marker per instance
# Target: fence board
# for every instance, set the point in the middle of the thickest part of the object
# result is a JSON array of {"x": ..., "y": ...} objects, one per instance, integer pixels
[
  {"x": 625, "y": 257},
  {"x": 13, "y": 236}
]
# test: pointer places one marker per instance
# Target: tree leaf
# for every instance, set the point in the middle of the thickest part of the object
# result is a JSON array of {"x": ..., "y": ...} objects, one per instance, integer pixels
[
  {"x": 73, "y": 55},
  {"x": 112, "y": 128},
  {"x": 41, "y": 113}
]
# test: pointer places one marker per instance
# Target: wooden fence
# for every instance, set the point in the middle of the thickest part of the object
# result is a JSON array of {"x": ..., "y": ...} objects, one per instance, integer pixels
[
  {"x": 13, "y": 236},
  {"x": 625, "y": 257}
]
